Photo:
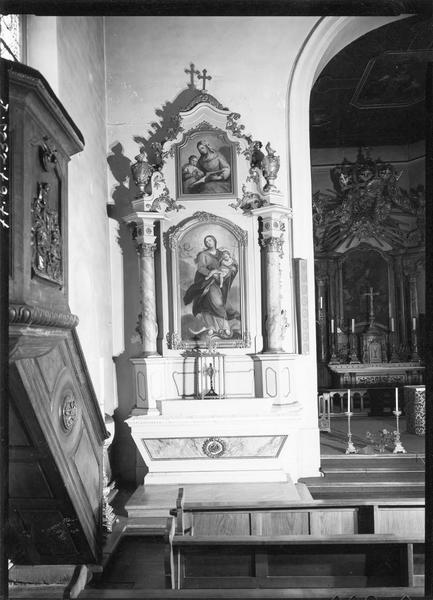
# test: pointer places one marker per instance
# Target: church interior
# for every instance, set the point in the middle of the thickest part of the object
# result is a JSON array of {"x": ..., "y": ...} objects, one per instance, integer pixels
[{"x": 214, "y": 237}]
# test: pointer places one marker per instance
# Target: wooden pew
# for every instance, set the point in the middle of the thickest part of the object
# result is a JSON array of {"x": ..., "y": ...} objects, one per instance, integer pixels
[
  {"x": 329, "y": 544},
  {"x": 319, "y": 517},
  {"x": 340, "y": 561}
]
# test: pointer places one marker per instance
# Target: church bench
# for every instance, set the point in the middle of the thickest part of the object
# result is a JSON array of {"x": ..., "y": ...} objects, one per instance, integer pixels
[
  {"x": 319, "y": 517},
  {"x": 295, "y": 561}
]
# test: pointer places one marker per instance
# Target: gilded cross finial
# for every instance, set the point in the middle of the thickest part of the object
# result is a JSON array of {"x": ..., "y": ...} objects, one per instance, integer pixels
[
  {"x": 204, "y": 77},
  {"x": 191, "y": 72}
]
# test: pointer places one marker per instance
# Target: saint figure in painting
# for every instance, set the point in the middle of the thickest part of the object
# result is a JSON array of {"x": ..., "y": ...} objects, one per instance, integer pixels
[
  {"x": 216, "y": 270},
  {"x": 216, "y": 172}
]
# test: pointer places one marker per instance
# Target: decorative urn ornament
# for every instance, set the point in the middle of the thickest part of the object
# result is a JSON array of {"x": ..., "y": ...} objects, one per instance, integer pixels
[
  {"x": 270, "y": 168},
  {"x": 142, "y": 172}
]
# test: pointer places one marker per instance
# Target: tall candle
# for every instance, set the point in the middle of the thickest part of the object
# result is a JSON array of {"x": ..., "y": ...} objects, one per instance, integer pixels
[
  {"x": 392, "y": 324},
  {"x": 349, "y": 401},
  {"x": 321, "y": 302},
  {"x": 396, "y": 399},
  {"x": 332, "y": 325},
  {"x": 353, "y": 325},
  {"x": 414, "y": 323}
]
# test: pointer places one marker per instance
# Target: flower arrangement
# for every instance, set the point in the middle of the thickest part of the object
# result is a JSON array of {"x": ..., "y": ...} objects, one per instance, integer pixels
[{"x": 382, "y": 439}]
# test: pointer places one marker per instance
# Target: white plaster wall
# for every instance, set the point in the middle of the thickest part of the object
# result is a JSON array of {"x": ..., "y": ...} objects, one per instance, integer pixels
[{"x": 69, "y": 52}]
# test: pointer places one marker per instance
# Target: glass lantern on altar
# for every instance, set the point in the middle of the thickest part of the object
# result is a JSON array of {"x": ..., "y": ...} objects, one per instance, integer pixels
[{"x": 210, "y": 373}]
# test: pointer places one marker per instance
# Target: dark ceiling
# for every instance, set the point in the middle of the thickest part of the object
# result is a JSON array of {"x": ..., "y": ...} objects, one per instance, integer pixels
[{"x": 373, "y": 92}]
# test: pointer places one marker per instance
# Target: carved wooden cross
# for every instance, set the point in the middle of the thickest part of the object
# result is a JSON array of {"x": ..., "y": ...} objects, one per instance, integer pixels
[
  {"x": 204, "y": 77},
  {"x": 370, "y": 294},
  {"x": 192, "y": 71}
]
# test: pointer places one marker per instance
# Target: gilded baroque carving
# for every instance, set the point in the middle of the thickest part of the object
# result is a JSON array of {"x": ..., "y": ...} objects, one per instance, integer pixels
[
  {"x": 367, "y": 203},
  {"x": 249, "y": 201},
  {"x": 46, "y": 240},
  {"x": 32, "y": 315}
]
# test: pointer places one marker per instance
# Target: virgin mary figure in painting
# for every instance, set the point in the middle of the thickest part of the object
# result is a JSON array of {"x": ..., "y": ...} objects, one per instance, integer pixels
[
  {"x": 215, "y": 171},
  {"x": 216, "y": 270}
]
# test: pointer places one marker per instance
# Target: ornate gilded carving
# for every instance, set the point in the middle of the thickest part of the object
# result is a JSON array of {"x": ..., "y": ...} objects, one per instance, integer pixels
[
  {"x": 367, "y": 203},
  {"x": 172, "y": 235},
  {"x": 249, "y": 201},
  {"x": 214, "y": 447},
  {"x": 32, "y": 315},
  {"x": 69, "y": 412},
  {"x": 46, "y": 240}
]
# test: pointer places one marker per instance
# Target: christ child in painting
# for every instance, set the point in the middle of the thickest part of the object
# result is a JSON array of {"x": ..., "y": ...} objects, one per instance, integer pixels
[{"x": 226, "y": 266}]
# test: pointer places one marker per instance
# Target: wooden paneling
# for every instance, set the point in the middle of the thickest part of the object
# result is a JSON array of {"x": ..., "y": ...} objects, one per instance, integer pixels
[
  {"x": 221, "y": 524},
  {"x": 329, "y": 522},
  {"x": 280, "y": 523},
  {"x": 401, "y": 520}
]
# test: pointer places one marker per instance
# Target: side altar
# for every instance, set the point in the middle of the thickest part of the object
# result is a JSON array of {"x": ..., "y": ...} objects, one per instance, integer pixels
[{"x": 220, "y": 294}]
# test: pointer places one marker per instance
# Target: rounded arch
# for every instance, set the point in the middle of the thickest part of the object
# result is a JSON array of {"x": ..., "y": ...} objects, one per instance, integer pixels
[{"x": 326, "y": 39}]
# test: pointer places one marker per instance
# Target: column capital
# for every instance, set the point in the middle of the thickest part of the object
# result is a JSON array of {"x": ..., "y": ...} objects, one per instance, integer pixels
[{"x": 144, "y": 226}]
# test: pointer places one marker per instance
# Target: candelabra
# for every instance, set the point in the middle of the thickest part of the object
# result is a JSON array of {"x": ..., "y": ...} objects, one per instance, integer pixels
[
  {"x": 414, "y": 356},
  {"x": 350, "y": 448},
  {"x": 398, "y": 446},
  {"x": 353, "y": 354},
  {"x": 393, "y": 347},
  {"x": 334, "y": 359}
]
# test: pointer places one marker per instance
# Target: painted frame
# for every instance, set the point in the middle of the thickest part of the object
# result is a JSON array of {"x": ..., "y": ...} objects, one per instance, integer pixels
[
  {"x": 206, "y": 164},
  {"x": 208, "y": 283}
]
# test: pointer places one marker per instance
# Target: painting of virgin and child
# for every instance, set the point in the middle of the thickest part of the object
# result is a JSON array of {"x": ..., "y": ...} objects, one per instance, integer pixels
[
  {"x": 209, "y": 281},
  {"x": 206, "y": 165}
]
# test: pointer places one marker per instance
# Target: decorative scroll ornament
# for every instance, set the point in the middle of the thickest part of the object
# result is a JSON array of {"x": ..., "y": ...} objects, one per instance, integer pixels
[
  {"x": 367, "y": 203},
  {"x": 69, "y": 412},
  {"x": 46, "y": 240},
  {"x": 249, "y": 201},
  {"x": 214, "y": 447},
  {"x": 158, "y": 199}
]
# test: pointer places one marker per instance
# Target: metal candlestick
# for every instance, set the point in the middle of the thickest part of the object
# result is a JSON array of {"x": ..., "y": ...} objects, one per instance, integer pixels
[
  {"x": 353, "y": 356},
  {"x": 393, "y": 347},
  {"x": 334, "y": 360},
  {"x": 414, "y": 356},
  {"x": 350, "y": 448},
  {"x": 398, "y": 446}
]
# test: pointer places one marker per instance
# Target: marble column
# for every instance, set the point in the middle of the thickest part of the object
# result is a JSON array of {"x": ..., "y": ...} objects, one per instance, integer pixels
[
  {"x": 274, "y": 226},
  {"x": 144, "y": 237}
]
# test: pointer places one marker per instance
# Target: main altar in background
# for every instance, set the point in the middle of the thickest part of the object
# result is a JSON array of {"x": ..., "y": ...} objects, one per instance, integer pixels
[
  {"x": 221, "y": 329},
  {"x": 370, "y": 269}
]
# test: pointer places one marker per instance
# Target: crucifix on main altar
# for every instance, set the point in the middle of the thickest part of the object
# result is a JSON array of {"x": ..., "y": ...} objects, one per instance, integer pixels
[{"x": 371, "y": 295}]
